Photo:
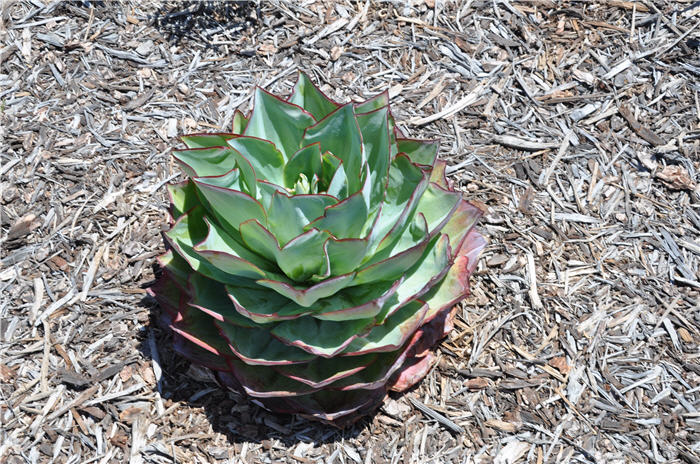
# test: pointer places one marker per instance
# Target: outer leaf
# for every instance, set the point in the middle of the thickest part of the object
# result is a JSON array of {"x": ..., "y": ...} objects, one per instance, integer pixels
[
  {"x": 394, "y": 261},
  {"x": 279, "y": 122},
  {"x": 206, "y": 140},
  {"x": 230, "y": 207},
  {"x": 455, "y": 286},
  {"x": 393, "y": 333},
  {"x": 189, "y": 229},
  {"x": 309, "y": 97},
  {"x": 227, "y": 254},
  {"x": 183, "y": 197},
  {"x": 239, "y": 122},
  {"x": 423, "y": 152},
  {"x": 216, "y": 162},
  {"x": 378, "y": 101},
  {"x": 322, "y": 338},
  {"x": 257, "y": 347},
  {"x": 211, "y": 298}
]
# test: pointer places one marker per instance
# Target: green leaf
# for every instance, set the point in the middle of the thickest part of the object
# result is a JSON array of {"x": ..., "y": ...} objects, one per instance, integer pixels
[
  {"x": 345, "y": 255},
  {"x": 265, "y": 382},
  {"x": 206, "y": 140},
  {"x": 329, "y": 166},
  {"x": 261, "y": 305},
  {"x": 376, "y": 142},
  {"x": 361, "y": 302},
  {"x": 303, "y": 256},
  {"x": 257, "y": 347},
  {"x": 188, "y": 230},
  {"x": 345, "y": 219},
  {"x": 183, "y": 197},
  {"x": 378, "y": 101},
  {"x": 338, "y": 184},
  {"x": 279, "y": 122},
  {"x": 323, "y": 372},
  {"x": 405, "y": 186},
  {"x": 461, "y": 223},
  {"x": 307, "y": 161},
  {"x": 309, "y": 295},
  {"x": 288, "y": 215},
  {"x": 227, "y": 254},
  {"x": 239, "y": 122},
  {"x": 393, "y": 261},
  {"x": 422, "y": 152},
  {"x": 321, "y": 338},
  {"x": 438, "y": 205},
  {"x": 213, "y": 161},
  {"x": 393, "y": 333},
  {"x": 217, "y": 162},
  {"x": 266, "y": 160},
  {"x": 339, "y": 133},
  {"x": 211, "y": 297},
  {"x": 258, "y": 239},
  {"x": 429, "y": 270},
  {"x": 309, "y": 97},
  {"x": 230, "y": 207},
  {"x": 177, "y": 266}
]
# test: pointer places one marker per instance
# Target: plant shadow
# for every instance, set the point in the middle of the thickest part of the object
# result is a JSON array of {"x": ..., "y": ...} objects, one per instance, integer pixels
[{"x": 229, "y": 412}]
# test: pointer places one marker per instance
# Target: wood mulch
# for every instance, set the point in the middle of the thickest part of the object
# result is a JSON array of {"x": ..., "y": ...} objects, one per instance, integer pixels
[{"x": 576, "y": 125}]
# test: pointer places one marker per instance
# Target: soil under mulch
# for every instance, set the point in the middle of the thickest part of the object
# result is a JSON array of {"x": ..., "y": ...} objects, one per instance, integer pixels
[{"x": 575, "y": 125}]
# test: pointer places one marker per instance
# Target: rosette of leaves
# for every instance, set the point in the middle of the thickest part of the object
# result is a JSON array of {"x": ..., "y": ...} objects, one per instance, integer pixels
[{"x": 315, "y": 255}]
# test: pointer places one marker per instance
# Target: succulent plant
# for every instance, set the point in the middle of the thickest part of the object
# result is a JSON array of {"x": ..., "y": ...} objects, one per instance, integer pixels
[{"x": 315, "y": 255}]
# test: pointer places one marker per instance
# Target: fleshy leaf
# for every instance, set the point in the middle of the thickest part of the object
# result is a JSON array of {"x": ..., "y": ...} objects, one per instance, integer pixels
[
  {"x": 227, "y": 254},
  {"x": 309, "y": 295},
  {"x": 279, "y": 122},
  {"x": 256, "y": 346},
  {"x": 405, "y": 187},
  {"x": 188, "y": 230},
  {"x": 309, "y": 97},
  {"x": 321, "y": 338},
  {"x": 393, "y": 333},
  {"x": 307, "y": 161},
  {"x": 303, "y": 257},
  {"x": 288, "y": 215},
  {"x": 206, "y": 140},
  {"x": 374, "y": 127},
  {"x": 345, "y": 219},
  {"x": 339, "y": 133},
  {"x": 183, "y": 197},
  {"x": 211, "y": 298},
  {"x": 266, "y": 160},
  {"x": 259, "y": 239},
  {"x": 394, "y": 261},
  {"x": 239, "y": 122},
  {"x": 378, "y": 101},
  {"x": 216, "y": 162},
  {"x": 230, "y": 207},
  {"x": 422, "y": 152}
]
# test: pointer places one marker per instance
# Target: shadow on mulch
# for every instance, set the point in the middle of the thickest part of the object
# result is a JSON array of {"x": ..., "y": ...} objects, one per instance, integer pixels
[{"x": 230, "y": 413}]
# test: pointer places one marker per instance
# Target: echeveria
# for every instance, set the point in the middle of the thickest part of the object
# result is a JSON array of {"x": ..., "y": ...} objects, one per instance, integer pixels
[{"x": 315, "y": 255}]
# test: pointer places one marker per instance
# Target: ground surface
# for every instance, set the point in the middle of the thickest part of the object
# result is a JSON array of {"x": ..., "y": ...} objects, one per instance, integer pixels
[{"x": 574, "y": 124}]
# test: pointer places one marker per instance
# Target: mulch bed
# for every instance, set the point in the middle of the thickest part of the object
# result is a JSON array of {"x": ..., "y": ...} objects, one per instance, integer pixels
[{"x": 575, "y": 125}]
